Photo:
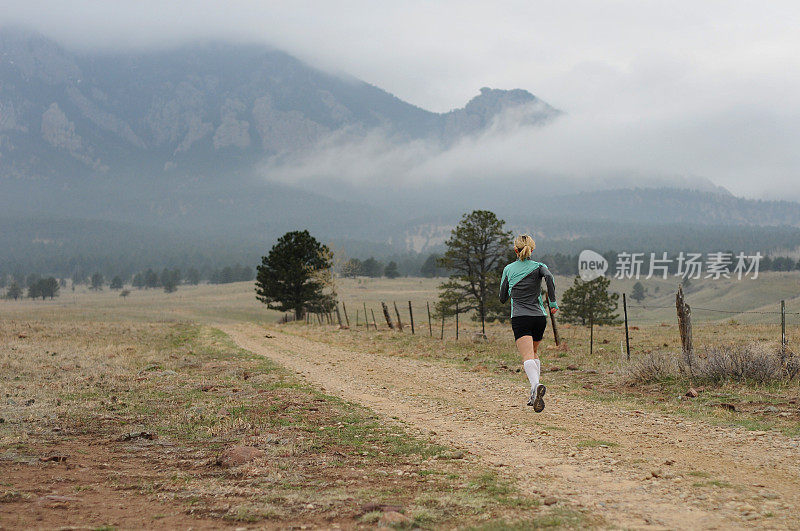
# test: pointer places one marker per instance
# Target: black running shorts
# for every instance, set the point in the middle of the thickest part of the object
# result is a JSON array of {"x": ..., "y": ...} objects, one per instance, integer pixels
[{"x": 529, "y": 325}]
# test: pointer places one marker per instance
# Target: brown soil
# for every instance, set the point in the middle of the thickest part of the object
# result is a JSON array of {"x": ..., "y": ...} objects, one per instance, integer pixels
[{"x": 90, "y": 485}]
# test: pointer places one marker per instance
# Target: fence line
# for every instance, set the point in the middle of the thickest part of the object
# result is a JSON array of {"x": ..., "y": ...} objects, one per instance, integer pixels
[{"x": 333, "y": 317}]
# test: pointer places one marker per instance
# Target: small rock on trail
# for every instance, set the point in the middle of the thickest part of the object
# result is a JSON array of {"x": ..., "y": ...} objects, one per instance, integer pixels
[
  {"x": 238, "y": 455},
  {"x": 393, "y": 518}
]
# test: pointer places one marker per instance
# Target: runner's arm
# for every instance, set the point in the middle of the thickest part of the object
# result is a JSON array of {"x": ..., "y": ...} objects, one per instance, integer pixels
[
  {"x": 551, "y": 286},
  {"x": 504, "y": 288}
]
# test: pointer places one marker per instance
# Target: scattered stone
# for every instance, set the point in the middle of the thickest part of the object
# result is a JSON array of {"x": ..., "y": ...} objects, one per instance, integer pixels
[
  {"x": 692, "y": 392},
  {"x": 588, "y": 386},
  {"x": 669, "y": 462},
  {"x": 555, "y": 368},
  {"x": 30, "y": 402},
  {"x": 550, "y": 500},
  {"x": 381, "y": 507},
  {"x": 572, "y": 367},
  {"x": 758, "y": 433},
  {"x": 770, "y": 409},
  {"x": 54, "y": 458},
  {"x": 238, "y": 455},
  {"x": 223, "y": 412},
  {"x": 59, "y": 498},
  {"x": 268, "y": 336},
  {"x": 729, "y": 407},
  {"x": 137, "y": 435},
  {"x": 22, "y": 336},
  {"x": 656, "y": 473},
  {"x": 394, "y": 519},
  {"x": 455, "y": 454}
]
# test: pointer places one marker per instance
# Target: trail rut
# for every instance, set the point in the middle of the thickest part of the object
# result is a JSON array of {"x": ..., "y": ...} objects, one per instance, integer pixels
[{"x": 635, "y": 469}]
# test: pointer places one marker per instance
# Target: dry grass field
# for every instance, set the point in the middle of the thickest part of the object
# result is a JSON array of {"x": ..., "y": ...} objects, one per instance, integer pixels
[{"x": 196, "y": 409}]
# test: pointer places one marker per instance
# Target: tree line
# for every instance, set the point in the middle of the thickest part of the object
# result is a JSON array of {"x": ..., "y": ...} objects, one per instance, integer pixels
[
  {"x": 35, "y": 286},
  {"x": 297, "y": 275}
]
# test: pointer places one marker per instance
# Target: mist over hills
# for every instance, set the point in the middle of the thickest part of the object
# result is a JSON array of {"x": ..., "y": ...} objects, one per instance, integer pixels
[
  {"x": 194, "y": 153},
  {"x": 198, "y": 110}
]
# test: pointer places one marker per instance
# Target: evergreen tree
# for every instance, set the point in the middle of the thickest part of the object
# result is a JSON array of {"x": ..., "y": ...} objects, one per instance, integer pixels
[
  {"x": 170, "y": 279},
  {"x": 97, "y": 282},
  {"x": 293, "y": 275},
  {"x": 475, "y": 253},
  {"x": 372, "y": 268},
  {"x": 47, "y": 287},
  {"x": 138, "y": 280},
  {"x": 638, "y": 292},
  {"x": 193, "y": 276},
  {"x": 116, "y": 283},
  {"x": 151, "y": 279},
  {"x": 14, "y": 291},
  {"x": 590, "y": 302},
  {"x": 34, "y": 290},
  {"x": 391, "y": 270}
]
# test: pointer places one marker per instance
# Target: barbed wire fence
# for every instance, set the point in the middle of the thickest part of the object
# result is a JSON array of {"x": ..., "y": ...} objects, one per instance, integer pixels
[{"x": 423, "y": 319}]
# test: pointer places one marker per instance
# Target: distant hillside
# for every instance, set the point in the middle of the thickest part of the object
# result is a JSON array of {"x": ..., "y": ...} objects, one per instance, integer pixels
[
  {"x": 205, "y": 110},
  {"x": 671, "y": 205}
]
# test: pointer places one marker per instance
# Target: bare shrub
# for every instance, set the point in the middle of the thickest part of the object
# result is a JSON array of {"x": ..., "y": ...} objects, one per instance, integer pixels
[
  {"x": 755, "y": 363},
  {"x": 653, "y": 367}
]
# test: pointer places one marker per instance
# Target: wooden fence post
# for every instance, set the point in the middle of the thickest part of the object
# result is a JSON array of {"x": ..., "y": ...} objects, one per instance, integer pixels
[
  {"x": 430, "y": 326},
  {"x": 591, "y": 333},
  {"x": 399, "y": 321},
  {"x": 685, "y": 327},
  {"x": 347, "y": 319},
  {"x": 456, "y": 321},
  {"x": 374, "y": 322},
  {"x": 411, "y": 317},
  {"x": 783, "y": 327},
  {"x": 338, "y": 315},
  {"x": 356, "y": 317},
  {"x": 387, "y": 316},
  {"x": 627, "y": 338},
  {"x": 366, "y": 317},
  {"x": 442, "y": 338},
  {"x": 552, "y": 320}
]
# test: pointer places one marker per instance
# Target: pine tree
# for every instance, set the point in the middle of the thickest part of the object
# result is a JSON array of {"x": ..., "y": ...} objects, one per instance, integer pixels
[
  {"x": 97, "y": 282},
  {"x": 590, "y": 302},
  {"x": 391, "y": 270},
  {"x": 475, "y": 253},
  {"x": 295, "y": 275},
  {"x": 638, "y": 292},
  {"x": 14, "y": 291}
]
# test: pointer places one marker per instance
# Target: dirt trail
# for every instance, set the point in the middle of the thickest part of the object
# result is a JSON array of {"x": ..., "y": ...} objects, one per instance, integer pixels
[{"x": 658, "y": 471}]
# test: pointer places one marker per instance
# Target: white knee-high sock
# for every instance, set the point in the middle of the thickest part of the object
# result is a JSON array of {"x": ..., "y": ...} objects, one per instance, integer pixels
[{"x": 532, "y": 370}]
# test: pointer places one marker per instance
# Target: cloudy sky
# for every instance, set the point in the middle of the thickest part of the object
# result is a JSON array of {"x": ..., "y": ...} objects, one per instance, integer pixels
[{"x": 684, "y": 88}]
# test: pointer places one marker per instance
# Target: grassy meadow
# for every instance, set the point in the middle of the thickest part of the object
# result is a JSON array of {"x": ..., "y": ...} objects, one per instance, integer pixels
[{"x": 130, "y": 402}]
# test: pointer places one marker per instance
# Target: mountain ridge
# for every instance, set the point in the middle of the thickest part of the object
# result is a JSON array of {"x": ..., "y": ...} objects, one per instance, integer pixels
[{"x": 169, "y": 111}]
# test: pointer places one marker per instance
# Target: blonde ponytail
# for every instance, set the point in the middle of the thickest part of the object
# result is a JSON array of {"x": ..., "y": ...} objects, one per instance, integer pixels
[{"x": 524, "y": 246}]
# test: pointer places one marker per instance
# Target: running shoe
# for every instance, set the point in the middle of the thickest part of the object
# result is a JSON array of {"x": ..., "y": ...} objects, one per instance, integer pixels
[{"x": 537, "y": 398}]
